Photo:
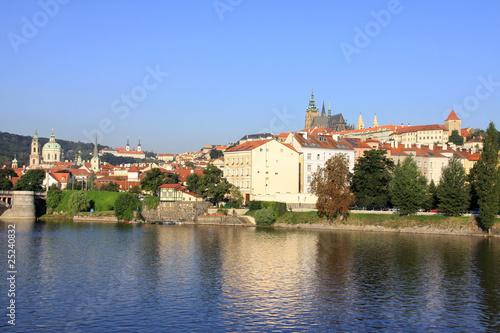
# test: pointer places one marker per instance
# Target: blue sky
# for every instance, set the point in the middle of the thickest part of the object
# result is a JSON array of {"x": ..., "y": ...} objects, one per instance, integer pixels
[{"x": 182, "y": 73}]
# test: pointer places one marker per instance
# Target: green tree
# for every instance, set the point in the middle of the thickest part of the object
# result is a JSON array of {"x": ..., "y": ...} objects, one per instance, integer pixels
[
  {"x": 5, "y": 179},
  {"x": 78, "y": 202},
  {"x": 488, "y": 179},
  {"x": 193, "y": 181},
  {"x": 433, "y": 198},
  {"x": 453, "y": 191},
  {"x": 125, "y": 205},
  {"x": 212, "y": 185},
  {"x": 155, "y": 178},
  {"x": 456, "y": 138},
  {"x": 372, "y": 175},
  {"x": 135, "y": 189},
  {"x": 54, "y": 196},
  {"x": 331, "y": 184},
  {"x": 216, "y": 153},
  {"x": 236, "y": 197},
  {"x": 31, "y": 181},
  {"x": 110, "y": 187},
  {"x": 408, "y": 187}
]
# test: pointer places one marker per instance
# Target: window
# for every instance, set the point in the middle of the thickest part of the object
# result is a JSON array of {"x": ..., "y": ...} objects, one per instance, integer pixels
[
  {"x": 308, "y": 179},
  {"x": 309, "y": 156},
  {"x": 309, "y": 167},
  {"x": 247, "y": 160},
  {"x": 317, "y": 157},
  {"x": 248, "y": 184}
]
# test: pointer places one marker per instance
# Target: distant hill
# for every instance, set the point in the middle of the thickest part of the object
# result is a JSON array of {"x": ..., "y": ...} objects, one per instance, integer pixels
[{"x": 20, "y": 145}]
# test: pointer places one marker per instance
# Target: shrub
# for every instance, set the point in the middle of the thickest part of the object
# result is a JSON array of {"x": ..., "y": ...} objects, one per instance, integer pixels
[
  {"x": 151, "y": 202},
  {"x": 265, "y": 216},
  {"x": 125, "y": 205},
  {"x": 54, "y": 196},
  {"x": 78, "y": 202},
  {"x": 254, "y": 205}
]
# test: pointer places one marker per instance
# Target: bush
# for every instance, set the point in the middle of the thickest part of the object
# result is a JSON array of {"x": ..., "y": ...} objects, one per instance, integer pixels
[
  {"x": 151, "y": 202},
  {"x": 78, "y": 202},
  {"x": 54, "y": 196},
  {"x": 125, "y": 205},
  {"x": 265, "y": 216},
  {"x": 254, "y": 205}
]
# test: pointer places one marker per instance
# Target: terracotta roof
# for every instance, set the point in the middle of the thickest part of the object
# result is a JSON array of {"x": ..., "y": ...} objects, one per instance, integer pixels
[
  {"x": 464, "y": 132},
  {"x": 170, "y": 185},
  {"x": 60, "y": 177},
  {"x": 475, "y": 139},
  {"x": 249, "y": 145},
  {"x": 411, "y": 129},
  {"x": 452, "y": 116},
  {"x": 133, "y": 168},
  {"x": 371, "y": 129},
  {"x": 320, "y": 141}
]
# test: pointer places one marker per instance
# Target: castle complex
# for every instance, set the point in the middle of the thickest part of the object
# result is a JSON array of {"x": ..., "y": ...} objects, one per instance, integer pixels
[{"x": 337, "y": 123}]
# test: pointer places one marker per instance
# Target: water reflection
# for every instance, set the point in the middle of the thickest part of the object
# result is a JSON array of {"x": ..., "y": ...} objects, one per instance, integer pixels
[{"x": 112, "y": 277}]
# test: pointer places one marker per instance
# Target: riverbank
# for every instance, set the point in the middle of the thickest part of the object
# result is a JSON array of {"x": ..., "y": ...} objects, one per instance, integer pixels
[{"x": 428, "y": 224}]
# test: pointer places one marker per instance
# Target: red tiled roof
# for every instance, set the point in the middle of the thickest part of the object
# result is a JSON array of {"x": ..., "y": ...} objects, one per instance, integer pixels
[
  {"x": 371, "y": 129},
  {"x": 249, "y": 145},
  {"x": 464, "y": 132},
  {"x": 60, "y": 177},
  {"x": 410, "y": 129},
  {"x": 452, "y": 116},
  {"x": 170, "y": 185},
  {"x": 133, "y": 168}
]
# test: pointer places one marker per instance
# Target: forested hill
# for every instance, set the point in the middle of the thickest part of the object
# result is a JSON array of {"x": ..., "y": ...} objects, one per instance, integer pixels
[{"x": 20, "y": 145}]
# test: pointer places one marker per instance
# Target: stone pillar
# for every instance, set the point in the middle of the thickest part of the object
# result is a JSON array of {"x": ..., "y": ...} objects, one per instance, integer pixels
[{"x": 23, "y": 206}]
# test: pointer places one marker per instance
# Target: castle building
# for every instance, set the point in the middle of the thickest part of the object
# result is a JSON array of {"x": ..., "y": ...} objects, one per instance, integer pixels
[
  {"x": 336, "y": 122},
  {"x": 453, "y": 123}
]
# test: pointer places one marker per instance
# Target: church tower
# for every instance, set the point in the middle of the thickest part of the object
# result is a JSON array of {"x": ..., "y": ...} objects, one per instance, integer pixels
[
  {"x": 35, "y": 151},
  {"x": 127, "y": 148},
  {"x": 329, "y": 108},
  {"x": 360, "y": 124},
  {"x": 311, "y": 112},
  {"x": 323, "y": 113},
  {"x": 375, "y": 121},
  {"x": 95, "y": 163},
  {"x": 15, "y": 164},
  {"x": 139, "y": 148}
]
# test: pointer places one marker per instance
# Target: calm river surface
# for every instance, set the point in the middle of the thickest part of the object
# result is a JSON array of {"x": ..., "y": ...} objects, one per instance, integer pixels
[{"x": 93, "y": 277}]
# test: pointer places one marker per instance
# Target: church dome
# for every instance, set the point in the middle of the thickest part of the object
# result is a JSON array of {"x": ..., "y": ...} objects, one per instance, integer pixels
[{"x": 52, "y": 145}]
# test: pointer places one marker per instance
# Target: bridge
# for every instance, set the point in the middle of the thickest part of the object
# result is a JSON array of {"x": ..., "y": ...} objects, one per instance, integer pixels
[{"x": 21, "y": 204}]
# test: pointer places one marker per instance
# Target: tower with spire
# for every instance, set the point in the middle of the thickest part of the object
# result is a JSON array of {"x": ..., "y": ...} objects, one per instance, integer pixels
[
  {"x": 95, "y": 163},
  {"x": 15, "y": 164},
  {"x": 323, "y": 113},
  {"x": 127, "y": 147},
  {"x": 311, "y": 112},
  {"x": 139, "y": 148},
  {"x": 35, "y": 151},
  {"x": 375, "y": 121},
  {"x": 360, "y": 124},
  {"x": 329, "y": 108}
]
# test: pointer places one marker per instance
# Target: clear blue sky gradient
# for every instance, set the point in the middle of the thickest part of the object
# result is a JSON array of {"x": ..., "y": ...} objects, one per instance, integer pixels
[{"x": 240, "y": 67}]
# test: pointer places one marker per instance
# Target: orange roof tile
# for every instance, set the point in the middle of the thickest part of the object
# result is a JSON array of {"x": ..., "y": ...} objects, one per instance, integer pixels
[{"x": 452, "y": 116}]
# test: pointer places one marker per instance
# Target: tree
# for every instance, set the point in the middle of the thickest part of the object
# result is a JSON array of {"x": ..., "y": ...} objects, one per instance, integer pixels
[
  {"x": 265, "y": 216},
  {"x": 135, "y": 189},
  {"x": 193, "y": 182},
  {"x": 433, "y": 198},
  {"x": 189, "y": 164},
  {"x": 212, "y": 185},
  {"x": 216, "y": 153},
  {"x": 155, "y": 178},
  {"x": 453, "y": 192},
  {"x": 487, "y": 183},
  {"x": 456, "y": 138},
  {"x": 54, "y": 196},
  {"x": 125, "y": 205},
  {"x": 236, "y": 197},
  {"x": 5, "y": 175},
  {"x": 78, "y": 202},
  {"x": 371, "y": 178},
  {"x": 408, "y": 187},
  {"x": 110, "y": 187},
  {"x": 31, "y": 181},
  {"x": 331, "y": 185}
]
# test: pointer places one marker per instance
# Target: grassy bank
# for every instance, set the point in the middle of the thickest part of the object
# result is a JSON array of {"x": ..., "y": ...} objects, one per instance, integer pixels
[
  {"x": 385, "y": 221},
  {"x": 102, "y": 201}
]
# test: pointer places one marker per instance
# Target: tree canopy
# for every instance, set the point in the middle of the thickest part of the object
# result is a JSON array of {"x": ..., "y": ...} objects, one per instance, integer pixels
[
  {"x": 212, "y": 185},
  {"x": 487, "y": 179},
  {"x": 110, "y": 187},
  {"x": 372, "y": 175},
  {"x": 331, "y": 184},
  {"x": 453, "y": 192},
  {"x": 5, "y": 176},
  {"x": 216, "y": 153},
  {"x": 408, "y": 187},
  {"x": 155, "y": 178},
  {"x": 32, "y": 180},
  {"x": 125, "y": 205},
  {"x": 456, "y": 138}
]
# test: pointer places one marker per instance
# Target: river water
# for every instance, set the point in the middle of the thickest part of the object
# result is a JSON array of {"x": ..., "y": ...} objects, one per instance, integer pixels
[{"x": 93, "y": 277}]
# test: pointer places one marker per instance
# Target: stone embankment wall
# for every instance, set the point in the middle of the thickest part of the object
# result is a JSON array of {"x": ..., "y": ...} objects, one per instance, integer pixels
[
  {"x": 87, "y": 218},
  {"x": 22, "y": 206},
  {"x": 175, "y": 211},
  {"x": 220, "y": 220}
]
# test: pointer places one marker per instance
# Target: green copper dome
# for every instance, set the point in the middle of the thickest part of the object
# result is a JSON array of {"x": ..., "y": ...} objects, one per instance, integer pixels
[{"x": 51, "y": 145}]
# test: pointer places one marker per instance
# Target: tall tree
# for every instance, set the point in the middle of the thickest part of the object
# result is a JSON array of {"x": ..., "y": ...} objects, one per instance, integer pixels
[
  {"x": 110, "y": 187},
  {"x": 212, "y": 185},
  {"x": 193, "y": 182},
  {"x": 408, "y": 187},
  {"x": 5, "y": 178},
  {"x": 453, "y": 191},
  {"x": 488, "y": 179},
  {"x": 216, "y": 153},
  {"x": 433, "y": 198},
  {"x": 331, "y": 184},
  {"x": 32, "y": 180},
  {"x": 372, "y": 175},
  {"x": 456, "y": 138}
]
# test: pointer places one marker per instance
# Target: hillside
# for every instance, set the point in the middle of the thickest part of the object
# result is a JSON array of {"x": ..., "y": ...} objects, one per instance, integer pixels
[{"x": 19, "y": 145}]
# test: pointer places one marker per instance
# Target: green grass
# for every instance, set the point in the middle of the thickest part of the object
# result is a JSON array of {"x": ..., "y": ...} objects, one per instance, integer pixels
[
  {"x": 103, "y": 201},
  {"x": 385, "y": 220}
]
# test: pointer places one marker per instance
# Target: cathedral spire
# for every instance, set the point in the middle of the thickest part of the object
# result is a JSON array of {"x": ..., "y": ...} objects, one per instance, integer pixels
[
  {"x": 375, "y": 121},
  {"x": 360, "y": 124},
  {"x": 95, "y": 146},
  {"x": 127, "y": 148},
  {"x": 329, "y": 108},
  {"x": 323, "y": 113},
  {"x": 139, "y": 148}
]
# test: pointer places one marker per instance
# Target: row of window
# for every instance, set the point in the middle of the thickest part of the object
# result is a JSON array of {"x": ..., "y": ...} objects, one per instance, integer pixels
[
  {"x": 237, "y": 160},
  {"x": 240, "y": 184},
  {"x": 238, "y": 172}
]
